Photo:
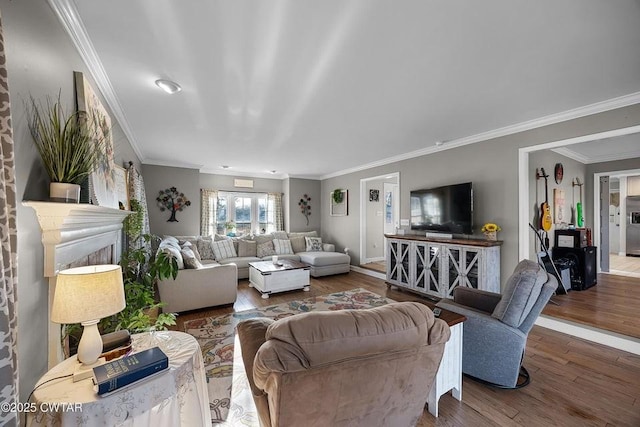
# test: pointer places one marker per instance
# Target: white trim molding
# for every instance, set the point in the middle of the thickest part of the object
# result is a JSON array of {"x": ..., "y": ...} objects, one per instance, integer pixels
[{"x": 70, "y": 19}]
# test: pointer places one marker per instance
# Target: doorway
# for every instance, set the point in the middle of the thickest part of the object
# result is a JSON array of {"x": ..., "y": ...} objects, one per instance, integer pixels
[{"x": 379, "y": 215}]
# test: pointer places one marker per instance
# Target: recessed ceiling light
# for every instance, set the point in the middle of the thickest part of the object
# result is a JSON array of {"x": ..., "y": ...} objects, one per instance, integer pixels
[
  {"x": 273, "y": 172},
  {"x": 225, "y": 167},
  {"x": 168, "y": 86},
  {"x": 439, "y": 143}
]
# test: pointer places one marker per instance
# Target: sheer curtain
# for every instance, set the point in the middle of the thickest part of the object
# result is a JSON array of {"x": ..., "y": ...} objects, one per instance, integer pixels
[
  {"x": 278, "y": 217},
  {"x": 208, "y": 214},
  {"x": 8, "y": 254}
]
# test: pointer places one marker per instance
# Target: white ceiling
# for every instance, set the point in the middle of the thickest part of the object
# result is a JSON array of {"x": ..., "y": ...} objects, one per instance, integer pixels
[{"x": 317, "y": 88}]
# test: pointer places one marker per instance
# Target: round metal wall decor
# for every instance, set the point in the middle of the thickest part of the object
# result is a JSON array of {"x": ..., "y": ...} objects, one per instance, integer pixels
[{"x": 558, "y": 173}]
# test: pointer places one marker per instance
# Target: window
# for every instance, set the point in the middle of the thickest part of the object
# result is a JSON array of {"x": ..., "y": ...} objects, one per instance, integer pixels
[{"x": 243, "y": 213}]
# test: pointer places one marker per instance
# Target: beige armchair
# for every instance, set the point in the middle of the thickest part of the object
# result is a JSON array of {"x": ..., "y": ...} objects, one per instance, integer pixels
[{"x": 349, "y": 367}]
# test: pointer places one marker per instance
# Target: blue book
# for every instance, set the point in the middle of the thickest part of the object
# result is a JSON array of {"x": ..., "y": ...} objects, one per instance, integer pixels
[{"x": 122, "y": 372}]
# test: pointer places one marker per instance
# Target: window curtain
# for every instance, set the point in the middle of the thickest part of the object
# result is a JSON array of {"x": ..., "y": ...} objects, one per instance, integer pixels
[
  {"x": 136, "y": 191},
  {"x": 278, "y": 217},
  {"x": 208, "y": 214},
  {"x": 8, "y": 255}
]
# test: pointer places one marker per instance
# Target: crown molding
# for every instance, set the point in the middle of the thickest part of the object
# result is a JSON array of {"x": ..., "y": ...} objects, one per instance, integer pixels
[
  {"x": 69, "y": 17},
  {"x": 171, "y": 164},
  {"x": 587, "y": 110},
  {"x": 567, "y": 152},
  {"x": 242, "y": 174}
]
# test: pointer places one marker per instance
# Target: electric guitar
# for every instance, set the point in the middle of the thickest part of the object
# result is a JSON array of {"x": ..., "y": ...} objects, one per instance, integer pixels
[
  {"x": 579, "y": 213},
  {"x": 545, "y": 220}
]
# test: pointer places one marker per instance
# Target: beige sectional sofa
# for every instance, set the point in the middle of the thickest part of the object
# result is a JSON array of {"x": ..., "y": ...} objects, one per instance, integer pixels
[{"x": 210, "y": 280}]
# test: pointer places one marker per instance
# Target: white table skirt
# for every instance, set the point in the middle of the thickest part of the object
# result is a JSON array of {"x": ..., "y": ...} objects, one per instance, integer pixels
[{"x": 176, "y": 397}]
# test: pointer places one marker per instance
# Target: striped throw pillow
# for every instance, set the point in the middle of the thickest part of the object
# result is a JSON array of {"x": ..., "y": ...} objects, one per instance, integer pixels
[{"x": 223, "y": 249}]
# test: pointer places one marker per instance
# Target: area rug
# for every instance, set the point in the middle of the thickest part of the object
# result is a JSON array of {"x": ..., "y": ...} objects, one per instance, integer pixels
[{"x": 230, "y": 397}]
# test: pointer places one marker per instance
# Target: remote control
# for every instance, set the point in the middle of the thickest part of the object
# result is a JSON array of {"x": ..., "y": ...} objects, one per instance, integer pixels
[{"x": 437, "y": 311}]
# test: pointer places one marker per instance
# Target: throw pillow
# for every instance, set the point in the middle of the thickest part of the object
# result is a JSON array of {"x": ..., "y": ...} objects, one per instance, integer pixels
[
  {"x": 170, "y": 239},
  {"x": 247, "y": 248},
  {"x": 223, "y": 249},
  {"x": 265, "y": 249},
  {"x": 190, "y": 260},
  {"x": 314, "y": 244},
  {"x": 298, "y": 244},
  {"x": 282, "y": 246},
  {"x": 521, "y": 293},
  {"x": 193, "y": 248},
  {"x": 204, "y": 248}
]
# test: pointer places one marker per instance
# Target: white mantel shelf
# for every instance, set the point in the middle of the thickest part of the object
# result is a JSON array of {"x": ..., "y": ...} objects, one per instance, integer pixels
[{"x": 71, "y": 231}]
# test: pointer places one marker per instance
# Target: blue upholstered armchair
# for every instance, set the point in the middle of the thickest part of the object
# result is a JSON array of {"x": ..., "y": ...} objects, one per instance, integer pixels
[{"x": 495, "y": 333}]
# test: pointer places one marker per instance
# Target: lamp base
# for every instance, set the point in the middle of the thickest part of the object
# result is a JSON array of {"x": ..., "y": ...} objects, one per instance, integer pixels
[{"x": 82, "y": 371}]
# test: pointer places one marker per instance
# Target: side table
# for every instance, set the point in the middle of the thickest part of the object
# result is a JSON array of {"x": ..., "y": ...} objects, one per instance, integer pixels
[
  {"x": 449, "y": 376},
  {"x": 177, "y": 397}
]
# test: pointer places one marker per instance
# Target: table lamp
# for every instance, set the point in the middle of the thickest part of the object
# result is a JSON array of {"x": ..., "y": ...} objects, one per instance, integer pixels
[{"x": 85, "y": 295}]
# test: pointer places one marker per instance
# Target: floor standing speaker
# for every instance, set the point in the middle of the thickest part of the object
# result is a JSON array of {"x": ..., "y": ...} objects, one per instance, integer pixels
[{"x": 583, "y": 269}]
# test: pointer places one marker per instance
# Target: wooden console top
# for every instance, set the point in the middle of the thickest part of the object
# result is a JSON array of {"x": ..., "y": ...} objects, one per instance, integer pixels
[{"x": 470, "y": 242}]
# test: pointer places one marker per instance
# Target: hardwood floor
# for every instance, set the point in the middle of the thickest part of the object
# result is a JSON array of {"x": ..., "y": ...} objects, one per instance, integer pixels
[
  {"x": 625, "y": 265},
  {"x": 611, "y": 305},
  {"x": 574, "y": 382}
]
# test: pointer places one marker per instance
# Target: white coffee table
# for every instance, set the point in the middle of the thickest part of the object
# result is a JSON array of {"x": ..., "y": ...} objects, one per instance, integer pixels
[{"x": 287, "y": 275}]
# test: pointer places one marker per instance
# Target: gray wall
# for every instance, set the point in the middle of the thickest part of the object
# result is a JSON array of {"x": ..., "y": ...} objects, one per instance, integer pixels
[
  {"x": 492, "y": 166},
  {"x": 297, "y": 188},
  {"x": 187, "y": 181},
  {"x": 41, "y": 60}
]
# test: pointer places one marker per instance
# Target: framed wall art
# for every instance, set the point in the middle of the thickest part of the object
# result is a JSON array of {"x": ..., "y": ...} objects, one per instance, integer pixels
[
  {"x": 102, "y": 187},
  {"x": 339, "y": 200}
]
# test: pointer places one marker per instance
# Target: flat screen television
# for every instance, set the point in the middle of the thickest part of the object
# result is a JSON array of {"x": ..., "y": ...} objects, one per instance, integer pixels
[{"x": 447, "y": 209}]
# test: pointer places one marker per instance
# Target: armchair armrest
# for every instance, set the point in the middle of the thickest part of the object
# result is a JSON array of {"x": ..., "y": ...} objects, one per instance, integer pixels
[
  {"x": 252, "y": 334},
  {"x": 475, "y": 298}
]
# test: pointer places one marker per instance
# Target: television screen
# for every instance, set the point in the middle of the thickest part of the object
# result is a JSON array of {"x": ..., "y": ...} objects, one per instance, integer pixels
[{"x": 447, "y": 209}]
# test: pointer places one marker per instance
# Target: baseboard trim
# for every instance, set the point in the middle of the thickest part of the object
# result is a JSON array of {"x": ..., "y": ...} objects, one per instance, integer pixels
[
  {"x": 368, "y": 272},
  {"x": 589, "y": 333}
]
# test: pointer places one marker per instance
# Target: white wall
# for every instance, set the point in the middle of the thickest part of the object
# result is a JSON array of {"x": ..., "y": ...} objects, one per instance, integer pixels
[{"x": 40, "y": 60}]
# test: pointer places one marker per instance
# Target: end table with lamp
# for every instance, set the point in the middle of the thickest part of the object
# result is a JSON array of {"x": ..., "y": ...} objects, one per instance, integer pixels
[{"x": 66, "y": 394}]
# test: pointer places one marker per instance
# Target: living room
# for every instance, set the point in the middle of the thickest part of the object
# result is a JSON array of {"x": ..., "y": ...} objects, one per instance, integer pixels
[{"x": 41, "y": 58}]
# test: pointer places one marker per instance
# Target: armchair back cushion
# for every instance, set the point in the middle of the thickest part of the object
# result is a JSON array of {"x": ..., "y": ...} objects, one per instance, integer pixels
[
  {"x": 347, "y": 367},
  {"x": 521, "y": 293}
]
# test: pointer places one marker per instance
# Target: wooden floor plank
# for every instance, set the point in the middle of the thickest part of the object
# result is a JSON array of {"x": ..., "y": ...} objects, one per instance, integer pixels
[{"x": 570, "y": 376}]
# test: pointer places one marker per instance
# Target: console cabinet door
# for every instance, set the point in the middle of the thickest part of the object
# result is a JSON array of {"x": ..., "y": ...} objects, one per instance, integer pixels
[
  {"x": 426, "y": 269},
  {"x": 463, "y": 268},
  {"x": 398, "y": 271}
]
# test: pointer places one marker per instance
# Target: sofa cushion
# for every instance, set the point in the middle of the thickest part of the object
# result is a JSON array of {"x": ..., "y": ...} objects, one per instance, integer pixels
[
  {"x": 303, "y": 234},
  {"x": 189, "y": 258},
  {"x": 240, "y": 262},
  {"x": 265, "y": 249},
  {"x": 223, "y": 249},
  {"x": 263, "y": 238},
  {"x": 298, "y": 244},
  {"x": 321, "y": 259},
  {"x": 520, "y": 294},
  {"x": 313, "y": 244},
  {"x": 247, "y": 248},
  {"x": 282, "y": 246},
  {"x": 204, "y": 248},
  {"x": 193, "y": 247}
]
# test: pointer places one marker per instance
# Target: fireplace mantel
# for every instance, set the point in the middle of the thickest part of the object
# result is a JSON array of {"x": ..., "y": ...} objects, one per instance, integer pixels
[{"x": 73, "y": 230}]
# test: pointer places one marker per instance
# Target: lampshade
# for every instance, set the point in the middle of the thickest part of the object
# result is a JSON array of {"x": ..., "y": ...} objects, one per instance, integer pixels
[{"x": 88, "y": 293}]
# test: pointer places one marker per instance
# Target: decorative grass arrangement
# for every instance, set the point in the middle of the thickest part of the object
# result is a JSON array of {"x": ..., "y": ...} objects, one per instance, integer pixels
[{"x": 69, "y": 150}]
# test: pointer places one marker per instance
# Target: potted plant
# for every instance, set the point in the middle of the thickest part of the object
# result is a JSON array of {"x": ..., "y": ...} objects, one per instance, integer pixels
[
  {"x": 141, "y": 269},
  {"x": 68, "y": 149},
  {"x": 337, "y": 196}
]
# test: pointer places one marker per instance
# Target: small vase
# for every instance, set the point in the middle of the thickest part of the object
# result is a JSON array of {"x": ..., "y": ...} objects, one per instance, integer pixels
[
  {"x": 491, "y": 235},
  {"x": 64, "y": 192}
]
